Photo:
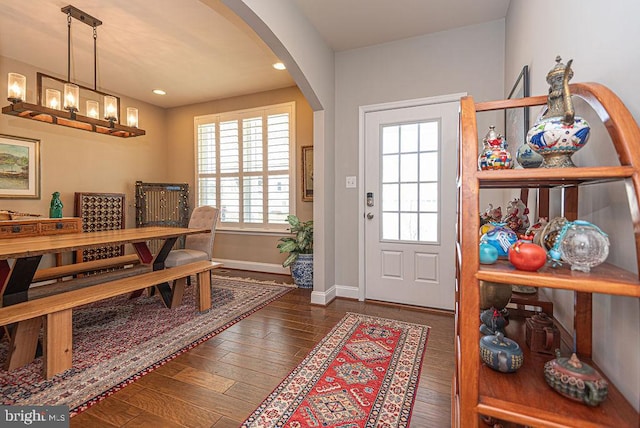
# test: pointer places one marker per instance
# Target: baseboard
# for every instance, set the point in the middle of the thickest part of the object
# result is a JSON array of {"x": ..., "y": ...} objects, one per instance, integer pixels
[
  {"x": 347, "y": 291},
  {"x": 323, "y": 298},
  {"x": 253, "y": 266}
]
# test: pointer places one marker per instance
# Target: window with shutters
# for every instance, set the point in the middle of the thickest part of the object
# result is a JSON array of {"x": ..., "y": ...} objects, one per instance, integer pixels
[{"x": 245, "y": 166}]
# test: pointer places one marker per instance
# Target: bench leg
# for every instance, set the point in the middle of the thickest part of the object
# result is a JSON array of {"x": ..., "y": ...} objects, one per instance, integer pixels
[
  {"x": 178, "y": 292},
  {"x": 24, "y": 342},
  {"x": 58, "y": 343},
  {"x": 204, "y": 291}
]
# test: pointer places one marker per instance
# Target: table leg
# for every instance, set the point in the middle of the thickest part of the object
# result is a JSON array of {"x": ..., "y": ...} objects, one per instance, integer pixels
[
  {"x": 158, "y": 263},
  {"x": 18, "y": 279}
]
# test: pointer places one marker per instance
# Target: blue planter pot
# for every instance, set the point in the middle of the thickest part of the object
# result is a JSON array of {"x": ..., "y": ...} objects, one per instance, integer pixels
[{"x": 302, "y": 271}]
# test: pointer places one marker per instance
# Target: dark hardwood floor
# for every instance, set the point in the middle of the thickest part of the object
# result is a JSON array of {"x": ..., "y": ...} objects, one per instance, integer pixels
[{"x": 220, "y": 382}]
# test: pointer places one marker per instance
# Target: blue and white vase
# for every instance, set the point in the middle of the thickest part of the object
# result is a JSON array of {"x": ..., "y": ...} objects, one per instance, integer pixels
[{"x": 302, "y": 271}]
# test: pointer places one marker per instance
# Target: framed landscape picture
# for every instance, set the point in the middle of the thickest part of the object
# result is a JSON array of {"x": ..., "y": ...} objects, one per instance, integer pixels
[
  {"x": 307, "y": 173},
  {"x": 19, "y": 167}
]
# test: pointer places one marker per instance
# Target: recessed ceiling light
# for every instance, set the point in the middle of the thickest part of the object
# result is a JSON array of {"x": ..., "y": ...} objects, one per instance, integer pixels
[
  {"x": 159, "y": 92},
  {"x": 279, "y": 66}
]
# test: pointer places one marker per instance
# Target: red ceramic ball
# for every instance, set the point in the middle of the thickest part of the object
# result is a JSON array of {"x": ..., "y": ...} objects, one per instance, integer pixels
[{"x": 527, "y": 256}]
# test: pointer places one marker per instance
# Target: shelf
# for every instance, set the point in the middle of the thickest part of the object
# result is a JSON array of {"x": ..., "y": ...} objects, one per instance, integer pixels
[
  {"x": 605, "y": 279},
  {"x": 501, "y": 394},
  {"x": 552, "y": 177},
  {"x": 65, "y": 118}
]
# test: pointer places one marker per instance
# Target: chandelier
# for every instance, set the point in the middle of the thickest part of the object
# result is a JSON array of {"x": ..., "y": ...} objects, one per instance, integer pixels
[{"x": 58, "y": 101}]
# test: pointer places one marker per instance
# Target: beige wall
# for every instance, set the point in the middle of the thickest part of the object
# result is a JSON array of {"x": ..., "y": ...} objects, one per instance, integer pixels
[
  {"x": 78, "y": 161},
  {"x": 181, "y": 150}
]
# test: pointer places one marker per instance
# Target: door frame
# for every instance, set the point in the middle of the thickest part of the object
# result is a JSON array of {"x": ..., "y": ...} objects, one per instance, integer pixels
[{"x": 363, "y": 110}]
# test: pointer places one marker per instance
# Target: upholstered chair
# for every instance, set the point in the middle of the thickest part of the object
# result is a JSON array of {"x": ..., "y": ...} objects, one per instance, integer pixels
[{"x": 200, "y": 246}]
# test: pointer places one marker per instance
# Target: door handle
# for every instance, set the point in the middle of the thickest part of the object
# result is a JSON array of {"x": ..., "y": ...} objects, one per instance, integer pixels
[{"x": 369, "y": 216}]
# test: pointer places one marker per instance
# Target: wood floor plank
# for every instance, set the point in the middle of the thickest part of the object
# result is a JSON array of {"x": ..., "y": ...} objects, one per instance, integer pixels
[
  {"x": 169, "y": 407},
  {"x": 278, "y": 336}
]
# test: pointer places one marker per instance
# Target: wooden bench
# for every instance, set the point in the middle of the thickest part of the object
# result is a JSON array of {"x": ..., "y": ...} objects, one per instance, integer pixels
[
  {"x": 56, "y": 309},
  {"x": 57, "y": 272}
]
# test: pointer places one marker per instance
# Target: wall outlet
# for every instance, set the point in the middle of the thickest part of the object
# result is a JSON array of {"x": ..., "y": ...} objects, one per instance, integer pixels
[{"x": 351, "y": 182}]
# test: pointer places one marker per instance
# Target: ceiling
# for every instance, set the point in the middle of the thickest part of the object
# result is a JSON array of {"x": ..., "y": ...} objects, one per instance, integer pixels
[{"x": 198, "y": 52}]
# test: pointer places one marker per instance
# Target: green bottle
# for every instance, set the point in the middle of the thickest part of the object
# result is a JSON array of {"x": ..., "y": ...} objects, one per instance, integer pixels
[{"x": 55, "y": 211}]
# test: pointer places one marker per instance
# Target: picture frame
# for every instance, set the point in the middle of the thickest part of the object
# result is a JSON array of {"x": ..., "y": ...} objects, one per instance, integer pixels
[
  {"x": 19, "y": 167},
  {"x": 307, "y": 173},
  {"x": 516, "y": 120}
]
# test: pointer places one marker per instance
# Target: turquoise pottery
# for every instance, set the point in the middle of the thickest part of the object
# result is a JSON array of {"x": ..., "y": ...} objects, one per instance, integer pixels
[
  {"x": 501, "y": 238},
  {"x": 488, "y": 253},
  {"x": 302, "y": 271}
]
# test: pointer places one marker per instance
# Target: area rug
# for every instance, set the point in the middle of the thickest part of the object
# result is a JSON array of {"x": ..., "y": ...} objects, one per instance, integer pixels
[
  {"x": 118, "y": 340},
  {"x": 364, "y": 373}
]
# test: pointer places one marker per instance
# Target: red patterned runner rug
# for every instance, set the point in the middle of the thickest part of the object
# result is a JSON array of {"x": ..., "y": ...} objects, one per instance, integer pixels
[
  {"x": 119, "y": 340},
  {"x": 364, "y": 373}
]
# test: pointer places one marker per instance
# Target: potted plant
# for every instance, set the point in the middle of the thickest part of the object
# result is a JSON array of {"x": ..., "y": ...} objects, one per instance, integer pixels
[{"x": 300, "y": 249}]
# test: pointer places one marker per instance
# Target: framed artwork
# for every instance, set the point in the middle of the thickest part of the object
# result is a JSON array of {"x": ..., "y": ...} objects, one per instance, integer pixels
[
  {"x": 516, "y": 120},
  {"x": 19, "y": 167},
  {"x": 307, "y": 173}
]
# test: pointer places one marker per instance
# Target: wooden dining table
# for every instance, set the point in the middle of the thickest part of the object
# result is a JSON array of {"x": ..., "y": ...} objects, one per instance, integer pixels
[{"x": 16, "y": 278}]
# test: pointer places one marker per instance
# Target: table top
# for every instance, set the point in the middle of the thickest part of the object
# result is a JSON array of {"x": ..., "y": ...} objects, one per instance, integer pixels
[{"x": 38, "y": 245}]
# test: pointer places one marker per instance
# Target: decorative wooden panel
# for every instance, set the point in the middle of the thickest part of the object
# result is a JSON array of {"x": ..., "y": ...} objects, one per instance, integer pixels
[
  {"x": 100, "y": 211},
  {"x": 162, "y": 204}
]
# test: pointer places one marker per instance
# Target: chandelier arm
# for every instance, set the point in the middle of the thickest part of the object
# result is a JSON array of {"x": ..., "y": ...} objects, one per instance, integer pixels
[
  {"x": 95, "y": 58},
  {"x": 69, "y": 47}
]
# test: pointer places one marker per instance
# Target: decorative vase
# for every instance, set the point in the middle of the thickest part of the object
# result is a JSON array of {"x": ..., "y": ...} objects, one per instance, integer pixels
[
  {"x": 488, "y": 253},
  {"x": 525, "y": 255},
  {"x": 581, "y": 244},
  {"x": 500, "y": 353},
  {"x": 494, "y": 294},
  {"x": 55, "y": 208},
  {"x": 527, "y": 157},
  {"x": 501, "y": 237},
  {"x": 494, "y": 152},
  {"x": 302, "y": 271},
  {"x": 558, "y": 134},
  {"x": 576, "y": 380},
  {"x": 517, "y": 217}
]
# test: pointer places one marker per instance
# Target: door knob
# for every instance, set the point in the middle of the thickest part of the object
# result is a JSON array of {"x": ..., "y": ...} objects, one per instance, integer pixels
[{"x": 369, "y": 216}]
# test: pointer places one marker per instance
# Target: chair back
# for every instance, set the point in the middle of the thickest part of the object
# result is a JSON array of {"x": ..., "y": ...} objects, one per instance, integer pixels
[{"x": 204, "y": 216}]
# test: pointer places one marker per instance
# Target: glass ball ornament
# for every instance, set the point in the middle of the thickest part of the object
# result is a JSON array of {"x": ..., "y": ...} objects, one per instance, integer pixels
[{"x": 581, "y": 244}]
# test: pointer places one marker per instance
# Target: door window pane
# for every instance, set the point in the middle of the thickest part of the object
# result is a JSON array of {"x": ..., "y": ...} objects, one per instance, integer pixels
[
  {"x": 390, "y": 226},
  {"x": 410, "y": 174}
]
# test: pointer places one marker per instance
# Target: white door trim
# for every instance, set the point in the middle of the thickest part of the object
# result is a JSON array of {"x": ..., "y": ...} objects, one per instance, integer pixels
[{"x": 363, "y": 110}]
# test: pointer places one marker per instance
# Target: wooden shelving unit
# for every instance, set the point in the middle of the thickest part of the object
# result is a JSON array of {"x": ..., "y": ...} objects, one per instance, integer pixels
[{"x": 524, "y": 397}]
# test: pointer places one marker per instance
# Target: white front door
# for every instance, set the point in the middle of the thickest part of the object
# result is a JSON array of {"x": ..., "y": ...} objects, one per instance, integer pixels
[{"x": 410, "y": 215}]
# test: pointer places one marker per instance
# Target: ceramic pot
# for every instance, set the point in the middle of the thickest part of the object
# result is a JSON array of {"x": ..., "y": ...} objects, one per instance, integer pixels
[
  {"x": 500, "y": 353},
  {"x": 494, "y": 294},
  {"x": 302, "y": 271},
  {"x": 526, "y": 255},
  {"x": 494, "y": 153},
  {"x": 576, "y": 380},
  {"x": 488, "y": 253},
  {"x": 527, "y": 157},
  {"x": 558, "y": 133},
  {"x": 501, "y": 237}
]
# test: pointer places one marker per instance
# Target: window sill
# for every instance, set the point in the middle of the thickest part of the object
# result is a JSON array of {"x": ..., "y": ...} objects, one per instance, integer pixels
[{"x": 257, "y": 232}]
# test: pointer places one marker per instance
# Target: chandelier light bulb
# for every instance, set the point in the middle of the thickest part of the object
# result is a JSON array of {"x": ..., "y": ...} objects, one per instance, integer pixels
[
  {"x": 71, "y": 97},
  {"x": 93, "y": 109},
  {"x": 132, "y": 117},
  {"x": 53, "y": 99},
  {"x": 110, "y": 108},
  {"x": 17, "y": 87}
]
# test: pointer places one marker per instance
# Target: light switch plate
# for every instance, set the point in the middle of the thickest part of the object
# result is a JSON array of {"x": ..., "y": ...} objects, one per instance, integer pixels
[{"x": 351, "y": 182}]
